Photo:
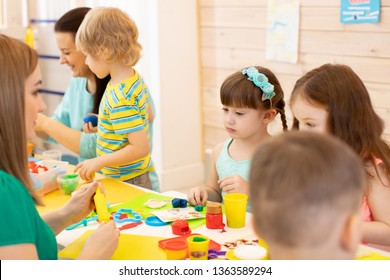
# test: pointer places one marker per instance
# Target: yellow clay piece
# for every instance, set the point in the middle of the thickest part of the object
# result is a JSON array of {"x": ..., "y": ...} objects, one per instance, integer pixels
[{"x": 101, "y": 207}]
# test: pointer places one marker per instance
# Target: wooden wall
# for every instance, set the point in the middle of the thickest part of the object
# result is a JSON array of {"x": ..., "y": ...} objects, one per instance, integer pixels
[{"x": 233, "y": 34}]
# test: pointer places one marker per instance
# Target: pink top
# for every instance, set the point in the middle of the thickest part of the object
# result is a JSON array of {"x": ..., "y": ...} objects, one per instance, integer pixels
[
  {"x": 364, "y": 208},
  {"x": 365, "y": 211}
]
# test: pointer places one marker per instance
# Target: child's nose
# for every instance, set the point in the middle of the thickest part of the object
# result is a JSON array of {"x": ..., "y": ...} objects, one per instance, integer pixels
[{"x": 230, "y": 118}]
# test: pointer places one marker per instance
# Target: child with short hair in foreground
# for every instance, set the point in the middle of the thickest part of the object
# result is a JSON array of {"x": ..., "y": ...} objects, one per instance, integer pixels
[{"x": 305, "y": 191}]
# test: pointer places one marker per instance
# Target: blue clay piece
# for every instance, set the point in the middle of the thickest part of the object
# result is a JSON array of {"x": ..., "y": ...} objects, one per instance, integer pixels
[
  {"x": 179, "y": 203},
  {"x": 198, "y": 208},
  {"x": 92, "y": 119}
]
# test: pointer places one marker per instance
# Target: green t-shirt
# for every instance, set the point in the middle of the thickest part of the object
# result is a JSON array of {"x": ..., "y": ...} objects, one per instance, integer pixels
[{"x": 20, "y": 222}]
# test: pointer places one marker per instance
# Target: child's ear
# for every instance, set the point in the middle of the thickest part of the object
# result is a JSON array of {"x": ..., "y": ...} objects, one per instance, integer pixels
[
  {"x": 104, "y": 53},
  {"x": 351, "y": 234},
  {"x": 269, "y": 115}
]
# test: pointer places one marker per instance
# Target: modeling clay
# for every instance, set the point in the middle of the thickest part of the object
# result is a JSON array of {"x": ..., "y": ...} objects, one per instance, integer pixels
[
  {"x": 130, "y": 225},
  {"x": 93, "y": 119},
  {"x": 101, "y": 208},
  {"x": 179, "y": 203},
  {"x": 154, "y": 203},
  {"x": 36, "y": 168}
]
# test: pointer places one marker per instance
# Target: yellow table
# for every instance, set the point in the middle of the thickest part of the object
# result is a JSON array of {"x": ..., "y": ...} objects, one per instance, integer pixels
[{"x": 116, "y": 191}]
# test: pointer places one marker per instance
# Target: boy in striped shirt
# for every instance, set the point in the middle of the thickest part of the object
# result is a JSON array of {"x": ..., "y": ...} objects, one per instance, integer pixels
[{"x": 109, "y": 39}]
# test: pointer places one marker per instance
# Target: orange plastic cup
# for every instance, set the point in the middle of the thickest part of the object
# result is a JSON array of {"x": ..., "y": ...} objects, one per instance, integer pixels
[
  {"x": 176, "y": 249},
  {"x": 30, "y": 148}
]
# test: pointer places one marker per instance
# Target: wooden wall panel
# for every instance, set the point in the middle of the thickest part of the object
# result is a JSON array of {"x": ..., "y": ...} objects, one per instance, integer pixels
[{"x": 233, "y": 36}]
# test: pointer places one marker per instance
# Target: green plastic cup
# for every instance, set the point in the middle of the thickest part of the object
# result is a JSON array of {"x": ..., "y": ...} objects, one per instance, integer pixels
[{"x": 68, "y": 182}]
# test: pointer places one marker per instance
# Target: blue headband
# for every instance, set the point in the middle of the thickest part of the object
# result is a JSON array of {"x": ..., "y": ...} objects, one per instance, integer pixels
[{"x": 261, "y": 81}]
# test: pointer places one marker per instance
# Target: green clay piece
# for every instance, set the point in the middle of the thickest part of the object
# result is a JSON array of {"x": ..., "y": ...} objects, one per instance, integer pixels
[
  {"x": 199, "y": 239},
  {"x": 70, "y": 176},
  {"x": 68, "y": 187}
]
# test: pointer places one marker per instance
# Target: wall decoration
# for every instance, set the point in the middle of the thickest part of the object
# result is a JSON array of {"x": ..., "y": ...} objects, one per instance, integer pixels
[
  {"x": 360, "y": 11},
  {"x": 282, "y": 30}
]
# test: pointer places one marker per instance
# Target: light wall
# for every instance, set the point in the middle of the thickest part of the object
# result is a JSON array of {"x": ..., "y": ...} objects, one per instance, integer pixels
[
  {"x": 233, "y": 36},
  {"x": 170, "y": 64}
]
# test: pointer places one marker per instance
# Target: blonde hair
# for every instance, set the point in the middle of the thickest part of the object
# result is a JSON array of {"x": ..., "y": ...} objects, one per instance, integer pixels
[
  {"x": 18, "y": 61},
  {"x": 110, "y": 34}
]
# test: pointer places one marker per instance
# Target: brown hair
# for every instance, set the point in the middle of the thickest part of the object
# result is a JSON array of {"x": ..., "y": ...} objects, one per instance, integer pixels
[
  {"x": 70, "y": 23},
  {"x": 18, "y": 61},
  {"x": 238, "y": 91},
  {"x": 300, "y": 184},
  {"x": 351, "y": 117},
  {"x": 111, "y": 34}
]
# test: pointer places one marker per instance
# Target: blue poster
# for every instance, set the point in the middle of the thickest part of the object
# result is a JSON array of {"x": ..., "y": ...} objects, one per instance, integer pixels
[{"x": 359, "y": 11}]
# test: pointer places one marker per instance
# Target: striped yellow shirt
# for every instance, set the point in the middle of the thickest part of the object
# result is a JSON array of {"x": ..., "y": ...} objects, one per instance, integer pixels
[{"x": 123, "y": 109}]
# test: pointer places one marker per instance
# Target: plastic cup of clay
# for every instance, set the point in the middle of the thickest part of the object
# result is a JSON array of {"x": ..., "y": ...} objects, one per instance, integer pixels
[
  {"x": 176, "y": 249},
  {"x": 68, "y": 182},
  {"x": 198, "y": 247},
  {"x": 250, "y": 252}
]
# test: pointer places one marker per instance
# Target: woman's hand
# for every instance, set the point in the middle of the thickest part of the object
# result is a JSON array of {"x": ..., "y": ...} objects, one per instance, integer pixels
[
  {"x": 102, "y": 244},
  {"x": 81, "y": 203}
]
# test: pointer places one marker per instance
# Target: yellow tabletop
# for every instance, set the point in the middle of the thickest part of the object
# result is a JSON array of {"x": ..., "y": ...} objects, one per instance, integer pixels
[{"x": 116, "y": 191}]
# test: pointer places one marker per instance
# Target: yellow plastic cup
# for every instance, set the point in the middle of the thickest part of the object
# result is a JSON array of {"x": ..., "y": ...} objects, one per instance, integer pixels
[
  {"x": 235, "y": 207},
  {"x": 176, "y": 250},
  {"x": 198, "y": 247}
]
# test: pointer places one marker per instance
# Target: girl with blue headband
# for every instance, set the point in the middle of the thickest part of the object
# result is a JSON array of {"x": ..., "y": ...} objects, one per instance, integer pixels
[{"x": 250, "y": 99}]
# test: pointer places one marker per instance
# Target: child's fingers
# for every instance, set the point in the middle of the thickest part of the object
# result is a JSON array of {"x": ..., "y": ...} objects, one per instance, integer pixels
[{"x": 78, "y": 166}]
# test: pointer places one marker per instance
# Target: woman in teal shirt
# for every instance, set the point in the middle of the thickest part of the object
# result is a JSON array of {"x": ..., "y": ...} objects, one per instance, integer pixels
[
  {"x": 82, "y": 97},
  {"x": 24, "y": 234}
]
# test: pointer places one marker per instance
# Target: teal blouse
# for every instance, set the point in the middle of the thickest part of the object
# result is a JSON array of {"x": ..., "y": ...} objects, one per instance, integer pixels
[{"x": 226, "y": 166}]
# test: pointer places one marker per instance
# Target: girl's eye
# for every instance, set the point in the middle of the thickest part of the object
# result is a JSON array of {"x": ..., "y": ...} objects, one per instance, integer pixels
[
  {"x": 310, "y": 125},
  {"x": 225, "y": 109},
  {"x": 239, "y": 113}
]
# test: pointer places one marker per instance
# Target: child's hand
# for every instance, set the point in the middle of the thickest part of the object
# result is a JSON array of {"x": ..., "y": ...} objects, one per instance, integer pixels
[
  {"x": 197, "y": 196},
  {"x": 90, "y": 123},
  {"x": 41, "y": 122},
  {"x": 87, "y": 168},
  {"x": 88, "y": 128},
  {"x": 234, "y": 184},
  {"x": 102, "y": 244}
]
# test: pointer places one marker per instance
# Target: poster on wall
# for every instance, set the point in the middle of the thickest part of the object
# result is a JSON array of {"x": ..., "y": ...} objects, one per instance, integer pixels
[
  {"x": 282, "y": 30},
  {"x": 360, "y": 11}
]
